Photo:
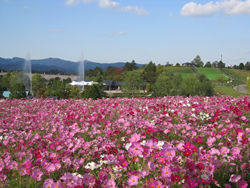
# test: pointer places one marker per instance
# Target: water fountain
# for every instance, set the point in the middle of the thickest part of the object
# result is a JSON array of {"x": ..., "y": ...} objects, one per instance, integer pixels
[
  {"x": 27, "y": 73},
  {"x": 81, "y": 70}
]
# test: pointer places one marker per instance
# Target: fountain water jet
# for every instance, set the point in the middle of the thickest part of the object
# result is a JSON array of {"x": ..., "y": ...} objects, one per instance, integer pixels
[
  {"x": 27, "y": 72},
  {"x": 81, "y": 70}
]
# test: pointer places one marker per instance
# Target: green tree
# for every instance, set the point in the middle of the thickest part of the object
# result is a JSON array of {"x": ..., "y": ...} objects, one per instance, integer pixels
[
  {"x": 6, "y": 80},
  {"x": 163, "y": 85},
  {"x": 132, "y": 84},
  {"x": 148, "y": 88},
  {"x": 221, "y": 64},
  {"x": 17, "y": 91},
  {"x": 177, "y": 80},
  {"x": 220, "y": 80},
  {"x": 206, "y": 85},
  {"x": 177, "y": 65},
  {"x": 208, "y": 64},
  {"x": 215, "y": 64},
  {"x": 197, "y": 85},
  {"x": 92, "y": 92},
  {"x": 149, "y": 72},
  {"x": 241, "y": 66},
  {"x": 197, "y": 61},
  {"x": 247, "y": 66},
  {"x": 37, "y": 82}
]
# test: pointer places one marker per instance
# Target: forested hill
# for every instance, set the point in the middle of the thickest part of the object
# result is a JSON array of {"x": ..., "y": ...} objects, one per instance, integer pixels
[{"x": 54, "y": 63}]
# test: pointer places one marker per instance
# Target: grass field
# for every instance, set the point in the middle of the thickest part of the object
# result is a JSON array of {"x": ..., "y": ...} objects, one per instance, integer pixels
[
  {"x": 211, "y": 73},
  {"x": 227, "y": 91},
  {"x": 183, "y": 71},
  {"x": 242, "y": 74}
]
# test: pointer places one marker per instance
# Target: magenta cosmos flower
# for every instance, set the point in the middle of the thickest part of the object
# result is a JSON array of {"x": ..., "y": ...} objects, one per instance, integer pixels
[
  {"x": 242, "y": 184},
  {"x": 166, "y": 172}
]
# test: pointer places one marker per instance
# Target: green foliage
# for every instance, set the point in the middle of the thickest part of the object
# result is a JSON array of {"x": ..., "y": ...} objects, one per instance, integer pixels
[
  {"x": 163, "y": 86},
  {"x": 6, "y": 80},
  {"x": 130, "y": 66},
  {"x": 208, "y": 64},
  {"x": 20, "y": 77},
  {"x": 92, "y": 92},
  {"x": 241, "y": 66},
  {"x": 220, "y": 80},
  {"x": 113, "y": 73},
  {"x": 197, "y": 85},
  {"x": 37, "y": 83},
  {"x": 221, "y": 64},
  {"x": 177, "y": 80},
  {"x": 149, "y": 72},
  {"x": 133, "y": 83},
  {"x": 198, "y": 62},
  {"x": 247, "y": 66},
  {"x": 148, "y": 88},
  {"x": 17, "y": 91}
]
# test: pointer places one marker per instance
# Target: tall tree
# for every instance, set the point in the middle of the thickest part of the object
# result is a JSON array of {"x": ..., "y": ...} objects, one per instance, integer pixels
[
  {"x": 37, "y": 82},
  {"x": 163, "y": 85},
  {"x": 221, "y": 64},
  {"x": 197, "y": 61},
  {"x": 133, "y": 83},
  {"x": 17, "y": 91},
  {"x": 208, "y": 64},
  {"x": 149, "y": 72},
  {"x": 241, "y": 66},
  {"x": 247, "y": 66}
]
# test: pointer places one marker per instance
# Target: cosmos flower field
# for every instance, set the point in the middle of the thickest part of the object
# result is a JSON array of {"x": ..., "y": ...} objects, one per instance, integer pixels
[{"x": 141, "y": 142}]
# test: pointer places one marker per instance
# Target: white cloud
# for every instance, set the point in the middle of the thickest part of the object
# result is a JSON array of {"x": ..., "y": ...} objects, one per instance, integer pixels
[
  {"x": 135, "y": 9},
  {"x": 170, "y": 15},
  {"x": 6, "y": 1},
  {"x": 111, "y": 5},
  {"x": 108, "y": 4},
  {"x": 226, "y": 6},
  {"x": 25, "y": 7},
  {"x": 121, "y": 33},
  {"x": 73, "y": 2},
  {"x": 236, "y": 7},
  {"x": 55, "y": 31},
  {"x": 193, "y": 9}
]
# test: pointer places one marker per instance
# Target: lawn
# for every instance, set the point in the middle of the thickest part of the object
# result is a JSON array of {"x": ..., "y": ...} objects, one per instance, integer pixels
[
  {"x": 211, "y": 73},
  {"x": 227, "y": 91},
  {"x": 183, "y": 71},
  {"x": 242, "y": 74}
]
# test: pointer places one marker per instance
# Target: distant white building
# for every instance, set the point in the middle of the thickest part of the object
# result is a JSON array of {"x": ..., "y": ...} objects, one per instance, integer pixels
[{"x": 82, "y": 83}]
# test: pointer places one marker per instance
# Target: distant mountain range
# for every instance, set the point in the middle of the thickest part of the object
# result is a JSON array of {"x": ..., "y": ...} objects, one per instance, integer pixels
[{"x": 17, "y": 63}]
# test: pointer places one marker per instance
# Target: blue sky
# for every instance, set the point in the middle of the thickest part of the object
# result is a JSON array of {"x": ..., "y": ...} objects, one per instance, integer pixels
[{"x": 124, "y": 30}]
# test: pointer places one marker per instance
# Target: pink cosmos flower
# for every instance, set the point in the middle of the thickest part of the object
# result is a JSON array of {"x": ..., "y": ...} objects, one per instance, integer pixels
[
  {"x": 210, "y": 141},
  {"x": 227, "y": 186},
  {"x": 135, "y": 138},
  {"x": 36, "y": 174},
  {"x": 242, "y": 184},
  {"x": 50, "y": 167},
  {"x": 235, "y": 151},
  {"x": 166, "y": 172},
  {"x": 132, "y": 180},
  {"x": 168, "y": 152},
  {"x": 234, "y": 178},
  {"x": 224, "y": 150},
  {"x": 136, "y": 149}
]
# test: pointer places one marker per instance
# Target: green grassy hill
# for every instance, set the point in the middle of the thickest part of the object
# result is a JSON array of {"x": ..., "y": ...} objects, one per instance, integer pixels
[
  {"x": 183, "y": 71},
  {"x": 242, "y": 74},
  {"x": 211, "y": 73}
]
